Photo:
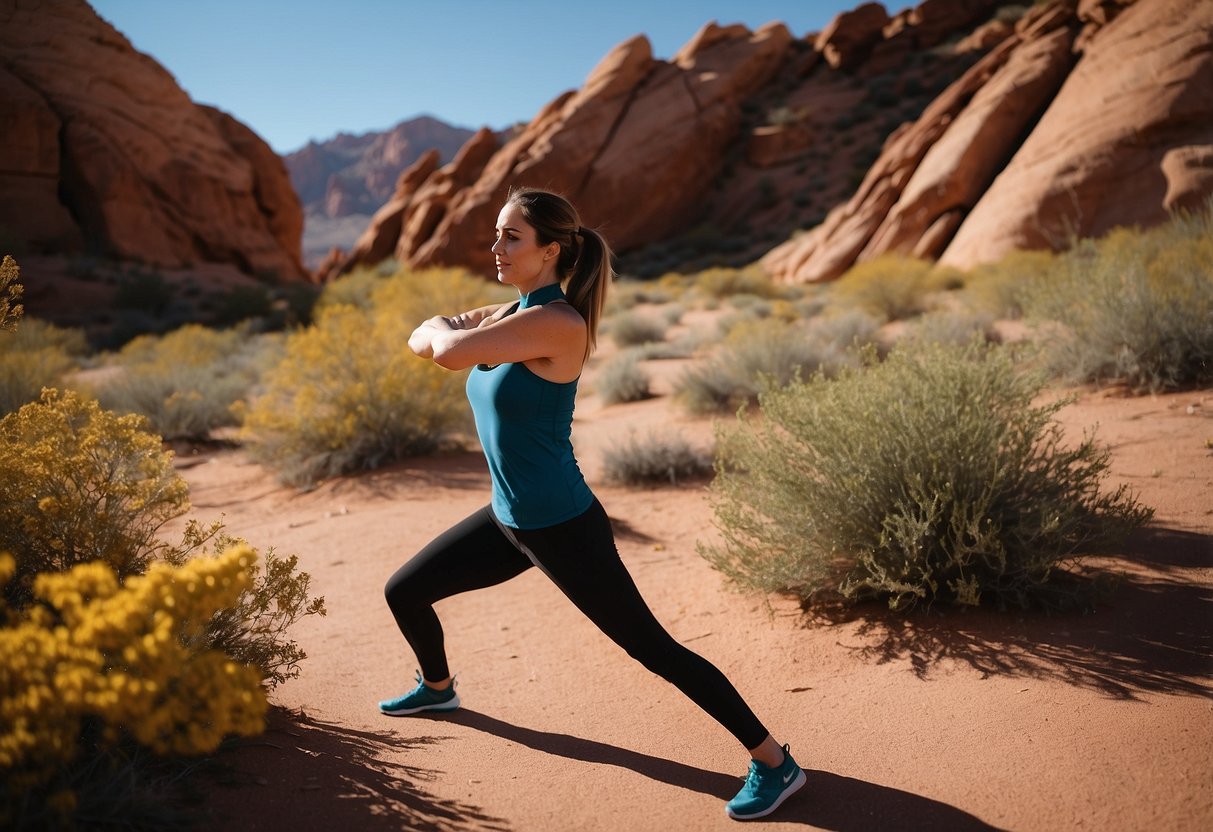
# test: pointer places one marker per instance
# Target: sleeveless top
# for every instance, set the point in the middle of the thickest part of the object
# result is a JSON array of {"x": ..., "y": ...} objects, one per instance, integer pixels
[{"x": 524, "y": 423}]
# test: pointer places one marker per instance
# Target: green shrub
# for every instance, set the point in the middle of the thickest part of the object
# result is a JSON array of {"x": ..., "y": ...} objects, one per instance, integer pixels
[
  {"x": 655, "y": 460},
  {"x": 79, "y": 484},
  {"x": 1000, "y": 287},
  {"x": 622, "y": 380},
  {"x": 626, "y": 294},
  {"x": 353, "y": 289},
  {"x": 1135, "y": 308},
  {"x": 951, "y": 327},
  {"x": 891, "y": 287},
  {"x": 724, "y": 282},
  {"x": 932, "y": 476},
  {"x": 185, "y": 382},
  {"x": 348, "y": 395},
  {"x": 633, "y": 329},
  {"x": 754, "y": 356},
  {"x": 36, "y": 355}
]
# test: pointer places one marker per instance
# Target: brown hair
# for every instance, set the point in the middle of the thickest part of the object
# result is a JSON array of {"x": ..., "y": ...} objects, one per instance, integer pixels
[{"x": 585, "y": 255}]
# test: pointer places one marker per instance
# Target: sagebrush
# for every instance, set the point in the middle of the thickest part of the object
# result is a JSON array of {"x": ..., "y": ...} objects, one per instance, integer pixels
[
  {"x": 187, "y": 382},
  {"x": 1133, "y": 308},
  {"x": 931, "y": 476},
  {"x": 349, "y": 396},
  {"x": 655, "y": 459},
  {"x": 36, "y": 355}
]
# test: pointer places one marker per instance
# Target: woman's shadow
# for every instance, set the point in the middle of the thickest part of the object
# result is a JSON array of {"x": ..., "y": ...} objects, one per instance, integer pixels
[{"x": 828, "y": 801}]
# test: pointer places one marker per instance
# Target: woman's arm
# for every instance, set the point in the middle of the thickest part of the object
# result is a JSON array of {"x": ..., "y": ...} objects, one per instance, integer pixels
[
  {"x": 421, "y": 341},
  {"x": 554, "y": 331}
]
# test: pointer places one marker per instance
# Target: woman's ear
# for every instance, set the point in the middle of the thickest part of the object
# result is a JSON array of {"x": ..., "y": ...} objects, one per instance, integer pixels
[{"x": 553, "y": 250}]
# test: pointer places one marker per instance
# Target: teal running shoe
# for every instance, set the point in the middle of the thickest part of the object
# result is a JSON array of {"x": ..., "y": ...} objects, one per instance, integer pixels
[
  {"x": 766, "y": 788},
  {"x": 421, "y": 698}
]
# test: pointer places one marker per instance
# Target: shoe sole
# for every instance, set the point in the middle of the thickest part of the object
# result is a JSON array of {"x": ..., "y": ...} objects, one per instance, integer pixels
[
  {"x": 792, "y": 788},
  {"x": 449, "y": 705}
]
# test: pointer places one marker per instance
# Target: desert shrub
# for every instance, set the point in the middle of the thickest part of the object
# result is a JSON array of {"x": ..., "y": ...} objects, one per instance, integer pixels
[
  {"x": 79, "y": 484},
  {"x": 890, "y": 286},
  {"x": 654, "y": 460},
  {"x": 252, "y": 630},
  {"x": 1135, "y": 307},
  {"x": 724, "y": 282},
  {"x": 10, "y": 293},
  {"x": 353, "y": 289},
  {"x": 348, "y": 395},
  {"x": 951, "y": 327},
  {"x": 36, "y": 355},
  {"x": 117, "y": 648},
  {"x": 625, "y": 294},
  {"x": 844, "y": 330},
  {"x": 683, "y": 346},
  {"x": 753, "y": 357},
  {"x": 673, "y": 313},
  {"x": 98, "y": 664},
  {"x": 185, "y": 382},
  {"x": 622, "y": 380},
  {"x": 932, "y": 476},
  {"x": 1000, "y": 287},
  {"x": 633, "y": 329}
]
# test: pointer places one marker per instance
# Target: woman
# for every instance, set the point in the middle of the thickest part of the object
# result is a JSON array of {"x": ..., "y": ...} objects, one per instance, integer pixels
[{"x": 527, "y": 357}]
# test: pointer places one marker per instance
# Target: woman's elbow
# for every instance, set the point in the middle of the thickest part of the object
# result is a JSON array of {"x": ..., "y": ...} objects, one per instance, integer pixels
[{"x": 448, "y": 355}]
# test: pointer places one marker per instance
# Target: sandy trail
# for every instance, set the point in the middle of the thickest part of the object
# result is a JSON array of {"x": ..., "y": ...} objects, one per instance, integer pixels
[{"x": 948, "y": 720}]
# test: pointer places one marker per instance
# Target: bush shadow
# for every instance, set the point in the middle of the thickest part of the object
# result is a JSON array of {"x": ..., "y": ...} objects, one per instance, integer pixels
[
  {"x": 828, "y": 801},
  {"x": 303, "y": 773},
  {"x": 1153, "y": 633}
]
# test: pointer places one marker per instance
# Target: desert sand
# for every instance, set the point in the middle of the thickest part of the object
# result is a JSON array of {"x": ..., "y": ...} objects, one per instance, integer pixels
[{"x": 940, "y": 720}]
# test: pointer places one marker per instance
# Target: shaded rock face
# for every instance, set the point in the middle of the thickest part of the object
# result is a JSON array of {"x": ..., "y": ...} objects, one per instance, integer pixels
[
  {"x": 1087, "y": 116},
  {"x": 108, "y": 155}
]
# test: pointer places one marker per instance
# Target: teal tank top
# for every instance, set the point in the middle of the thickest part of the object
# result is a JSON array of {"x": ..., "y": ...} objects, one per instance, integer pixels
[{"x": 525, "y": 423}]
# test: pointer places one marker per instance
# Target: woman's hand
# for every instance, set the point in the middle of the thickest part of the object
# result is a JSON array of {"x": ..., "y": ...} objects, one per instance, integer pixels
[{"x": 422, "y": 340}]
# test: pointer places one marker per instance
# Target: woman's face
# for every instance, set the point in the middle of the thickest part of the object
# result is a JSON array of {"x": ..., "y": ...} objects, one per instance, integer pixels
[{"x": 521, "y": 261}]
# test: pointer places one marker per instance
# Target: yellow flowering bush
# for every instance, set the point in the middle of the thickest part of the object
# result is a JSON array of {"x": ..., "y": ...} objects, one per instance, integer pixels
[
  {"x": 349, "y": 395},
  {"x": 10, "y": 293},
  {"x": 78, "y": 484},
  {"x": 102, "y": 661}
]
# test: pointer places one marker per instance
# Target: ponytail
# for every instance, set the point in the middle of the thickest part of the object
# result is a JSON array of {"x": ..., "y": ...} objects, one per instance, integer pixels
[
  {"x": 585, "y": 255},
  {"x": 587, "y": 289}
]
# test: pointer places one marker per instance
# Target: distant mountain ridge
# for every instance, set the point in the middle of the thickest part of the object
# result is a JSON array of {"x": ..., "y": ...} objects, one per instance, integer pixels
[{"x": 355, "y": 174}]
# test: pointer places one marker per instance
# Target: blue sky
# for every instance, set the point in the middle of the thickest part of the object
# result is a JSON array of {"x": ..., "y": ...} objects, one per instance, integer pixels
[{"x": 296, "y": 70}]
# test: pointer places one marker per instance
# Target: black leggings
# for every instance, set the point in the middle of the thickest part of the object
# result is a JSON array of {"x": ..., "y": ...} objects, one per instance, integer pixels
[{"x": 581, "y": 559}]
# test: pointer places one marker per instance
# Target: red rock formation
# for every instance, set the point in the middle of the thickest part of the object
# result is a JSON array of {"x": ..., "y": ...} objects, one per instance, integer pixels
[
  {"x": 141, "y": 172},
  {"x": 1128, "y": 138},
  {"x": 641, "y": 140},
  {"x": 1029, "y": 147},
  {"x": 850, "y": 35}
]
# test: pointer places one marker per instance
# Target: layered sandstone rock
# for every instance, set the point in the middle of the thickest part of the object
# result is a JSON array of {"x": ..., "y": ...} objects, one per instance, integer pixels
[
  {"x": 1088, "y": 116},
  {"x": 1128, "y": 138},
  {"x": 111, "y": 156}
]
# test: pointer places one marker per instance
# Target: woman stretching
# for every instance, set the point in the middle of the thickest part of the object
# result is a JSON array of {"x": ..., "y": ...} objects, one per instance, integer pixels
[{"x": 527, "y": 357}]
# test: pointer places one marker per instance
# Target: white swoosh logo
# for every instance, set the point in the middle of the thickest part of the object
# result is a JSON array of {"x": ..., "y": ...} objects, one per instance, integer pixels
[{"x": 791, "y": 774}]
